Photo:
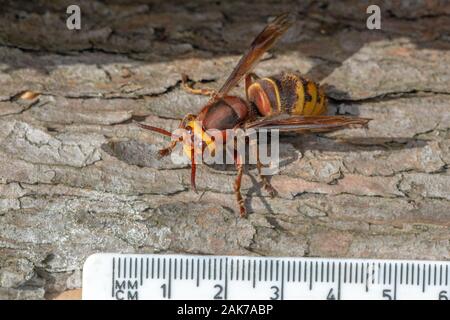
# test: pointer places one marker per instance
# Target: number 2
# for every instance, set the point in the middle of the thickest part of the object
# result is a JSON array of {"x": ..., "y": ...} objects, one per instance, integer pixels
[{"x": 218, "y": 295}]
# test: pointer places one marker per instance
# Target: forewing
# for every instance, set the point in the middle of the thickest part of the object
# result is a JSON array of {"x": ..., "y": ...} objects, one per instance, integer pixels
[
  {"x": 263, "y": 42},
  {"x": 306, "y": 124}
]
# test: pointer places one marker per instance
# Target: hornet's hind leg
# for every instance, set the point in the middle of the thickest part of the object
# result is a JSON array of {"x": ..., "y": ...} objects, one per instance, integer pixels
[
  {"x": 253, "y": 145},
  {"x": 267, "y": 186},
  {"x": 188, "y": 88},
  {"x": 237, "y": 185}
]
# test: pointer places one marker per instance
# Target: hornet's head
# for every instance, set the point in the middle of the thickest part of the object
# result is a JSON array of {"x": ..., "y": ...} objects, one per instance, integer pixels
[
  {"x": 197, "y": 140},
  {"x": 194, "y": 139}
]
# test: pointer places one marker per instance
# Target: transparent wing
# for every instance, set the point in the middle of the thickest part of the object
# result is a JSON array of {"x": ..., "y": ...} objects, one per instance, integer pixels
[{"x": 263, "y": 42}]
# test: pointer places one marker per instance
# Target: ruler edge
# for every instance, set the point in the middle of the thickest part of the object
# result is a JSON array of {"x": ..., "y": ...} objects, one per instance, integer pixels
[{"x": 177, "y": 255}]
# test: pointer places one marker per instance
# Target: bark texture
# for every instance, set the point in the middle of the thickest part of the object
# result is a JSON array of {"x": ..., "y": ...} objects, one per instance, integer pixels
[{"x": 78, "y": 177}]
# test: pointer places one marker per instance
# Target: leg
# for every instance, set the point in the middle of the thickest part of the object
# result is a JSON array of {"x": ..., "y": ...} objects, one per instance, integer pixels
[
  {"x": 166, "y": 151},
  {"x": 249, "y": 77},
  {"x": 267, "y": 186},
  {"x": 237, "y": 185},
  {"x": 188, "y": 88},
  {"x": 193, "y": 170}
]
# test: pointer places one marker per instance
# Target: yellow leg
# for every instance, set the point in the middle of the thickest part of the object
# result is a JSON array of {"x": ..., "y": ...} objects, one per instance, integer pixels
[{"x": 188, "y": 88}]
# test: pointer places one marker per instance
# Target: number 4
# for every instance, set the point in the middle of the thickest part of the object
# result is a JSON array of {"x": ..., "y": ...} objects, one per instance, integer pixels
[{"x": 331, "y": 295}]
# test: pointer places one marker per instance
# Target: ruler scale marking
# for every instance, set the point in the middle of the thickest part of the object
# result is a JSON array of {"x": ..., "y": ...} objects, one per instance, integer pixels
[
  {"x": 209, "y": 269},
  {"x": 429, "y": 275},
  {"x": 339, "y": 281},
  {"x": 423, "y": 278},
  {"x": 118, "y": 267},
  {"x": 198, "y": 272},
  {"x": 226, "y": 279},
  {"x": 254, "y": 273},
  {"x": 310, "y": 275},
  {"x": 249, "y": 274},
  {"x": 271, "y": 269},
  {"x": 351, "y": 273},
  {"x": 446, "y": 275},
  {"x": 282, "y": 280},
  {"x": 299, "y": 271},
  {"x": 361, "y": 276},
  {"x": 345, "y": 272},
  {"x": 181, "y": 268},
  {"x": 367, "y": 277},
  {"x": 232, "y": 270},
  {"x": 440, "y": 275},
  {"x": 113, "y": 275},
  {"x": 265, "y": 270},
  {"x": 131, "y": 267},
  {"x": 390, "y": 273},
  {"x": 435, "y": 274},
  {"x": 243, "y": 269},
  {"x": 220, "y": 269},
  {"x": 316, "y": 276},
  {"x": 395, "y": 282},
  {"x": 305, "y": 272},
  {"x": 333, "y": 272},
  {"x": 276, "y": 272},
  {"x": 288, "y": 271},
  {"x": 401, "y": 274},
  {"x": 174, "y": 269},
  {"x": 260, "y": 270},
  {"x": 203, "y": 269},
  {"x": 142, "y": 271}
]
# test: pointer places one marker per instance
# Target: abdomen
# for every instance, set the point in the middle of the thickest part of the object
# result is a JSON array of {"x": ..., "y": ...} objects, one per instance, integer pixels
[{"x": 287, "y": 93}]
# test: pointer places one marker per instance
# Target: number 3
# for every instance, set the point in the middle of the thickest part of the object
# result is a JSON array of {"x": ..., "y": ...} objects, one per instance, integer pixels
[{"x": 276, "y": 293}]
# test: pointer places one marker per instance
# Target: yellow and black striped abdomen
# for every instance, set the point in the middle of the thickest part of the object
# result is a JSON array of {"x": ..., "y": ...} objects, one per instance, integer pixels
[{"x": 287, "y": 93}]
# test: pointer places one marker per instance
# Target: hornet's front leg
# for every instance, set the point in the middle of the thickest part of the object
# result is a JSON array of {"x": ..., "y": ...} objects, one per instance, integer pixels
[{"x": 166, "y": 151}]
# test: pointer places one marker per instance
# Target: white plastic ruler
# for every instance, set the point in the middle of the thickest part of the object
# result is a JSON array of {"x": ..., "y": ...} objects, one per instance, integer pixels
[{"x": 148, "y": 276}]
